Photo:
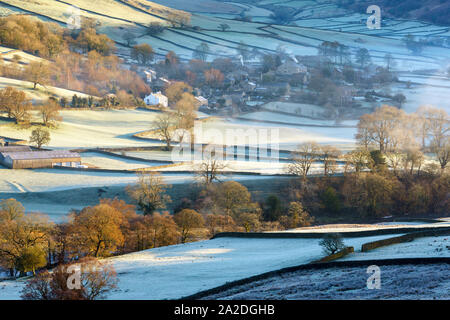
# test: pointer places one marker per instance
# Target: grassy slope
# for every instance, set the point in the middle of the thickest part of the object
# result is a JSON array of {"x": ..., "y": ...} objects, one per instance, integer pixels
[
  {"x": 118, "y": 16},
  {"x": 41, "y": 93}
]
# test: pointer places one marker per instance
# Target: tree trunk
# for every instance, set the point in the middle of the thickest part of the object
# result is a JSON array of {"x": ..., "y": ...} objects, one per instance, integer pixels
[{"x": 97, "y": 249}]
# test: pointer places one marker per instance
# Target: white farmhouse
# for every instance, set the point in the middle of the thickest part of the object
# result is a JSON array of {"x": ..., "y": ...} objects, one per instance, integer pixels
[{"x": 156, "y": 99}]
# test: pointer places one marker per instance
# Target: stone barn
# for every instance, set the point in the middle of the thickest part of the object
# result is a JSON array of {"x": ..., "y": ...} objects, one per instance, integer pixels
[{"x": 39, "y": 159}]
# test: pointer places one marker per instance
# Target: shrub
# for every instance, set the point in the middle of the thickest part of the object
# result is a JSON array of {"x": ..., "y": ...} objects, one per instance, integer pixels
[{"x": 332, "y": 243}]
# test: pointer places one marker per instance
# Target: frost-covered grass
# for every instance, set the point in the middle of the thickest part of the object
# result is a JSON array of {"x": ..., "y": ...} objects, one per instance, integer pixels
[
  {"x": 202, "y": 6},
  {"x": 180, "y": 270},
  {"x": 420, "y": 247},
  {"x": 397, "y": 282},
  {"x": 417, "y": 96},
  {"x": 288, "y": 136},
  {"x": 367, "y": 227},
  {"x": 294, "y": 119},
  {"x": 45, "y": 180},
  {"x": 87, "y": 129},
  {"x": 105, "y": 11},
  {"x": 104, "y": 161},
  {"x": 9, "y": 53},
  {"x": 316, "y": 22},
  {"x": 40, "y": 94},
  {"x": 302, "y": 109},
  {"x": 10, "y": 290}
]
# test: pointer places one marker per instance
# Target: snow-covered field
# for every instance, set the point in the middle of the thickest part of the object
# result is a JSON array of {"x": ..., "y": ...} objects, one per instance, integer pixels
[
  {"x": 314, "y": 22},
  {"x": 367, "y": 227},
  {"x": 40, "y": 94},
  {"x": 41, "y": 180},
  {"x": 105, "y": 161},
  {"x": 285, "y": 136},
  {"x": 87, "y": 129},
  {"x": 427, "y": 282},
  {"x": 421, "y": 247},
  {"x": 266, "y": 116},
  {"x": 180, "y": 270}
]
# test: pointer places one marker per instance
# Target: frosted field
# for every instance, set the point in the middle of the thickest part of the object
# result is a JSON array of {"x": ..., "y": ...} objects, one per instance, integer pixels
[
  {"x": 115, "y": 128},
  {"x": 207, "y": 6},
  {"x": 61, "y": 11},
  {"x": 87, "y": 129},
  {"x": 295, "y": 120},
  {"x": 316, "y": 23},
  {"x": 427, "y": 282},
  {"x": 40, "y": 94},
  {"x": 180, "y": 270},
  {"x": 425, "y": 95},
  {"x": 367, "y": 227},
  {"x": 40, "y": 180},
  {"x": 149, "y": 155},
  {"x": 436, "y": 80},
  {"x": 421, "y": 247},
  {"x": 44, "y": 180},
  {"x": 9, "y": 53},
  {"x": 261, "y": 167},
  {"x": 104, "y": 161},
  {"x": 288, "y": 137},
  {"x": 309, "y": 110}
]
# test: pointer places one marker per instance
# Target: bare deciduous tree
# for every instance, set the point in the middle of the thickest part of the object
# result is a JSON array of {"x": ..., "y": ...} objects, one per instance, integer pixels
[
  {"x": 166, "y": 127},
  {"x": 380, "y": 127},
  {"x": 332, "y": 243},
  {"x": 16, "y": 104},
  {"x": 188, "y": 219},
  {"x": 149, "y": 192},
  {"x": 413, "y": 160},
  {"x": 358, "y": 159},
  {"x": 329, "y": 156},
  {"x": 209, "y": 169},
  {"x": 37, "y": 73},
  {"x": 50, "y": 112},
  {"x": 303, "y": 159}
]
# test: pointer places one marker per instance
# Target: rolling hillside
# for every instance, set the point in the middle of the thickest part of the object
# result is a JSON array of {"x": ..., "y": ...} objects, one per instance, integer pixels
[
  {"x": 434, "y": 11},
  {"x": 313, "y": 23}
]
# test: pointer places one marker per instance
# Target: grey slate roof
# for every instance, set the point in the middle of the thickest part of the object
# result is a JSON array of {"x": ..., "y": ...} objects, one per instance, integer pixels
[
  {"x": 39, "y": 155},
  {"x": 14, "y": 149}
]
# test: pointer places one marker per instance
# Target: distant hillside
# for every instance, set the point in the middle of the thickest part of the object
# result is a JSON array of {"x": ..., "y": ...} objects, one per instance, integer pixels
[
  {"x": 435, "y": 11},
  {"x": 106, "y": 12}
]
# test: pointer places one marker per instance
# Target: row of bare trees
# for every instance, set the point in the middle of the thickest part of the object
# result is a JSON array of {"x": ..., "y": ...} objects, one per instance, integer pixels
[
  {"x": 310, "y": 152},
  {"x": 398, "y": 134},
  {"x": 399, "y": 139}
]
